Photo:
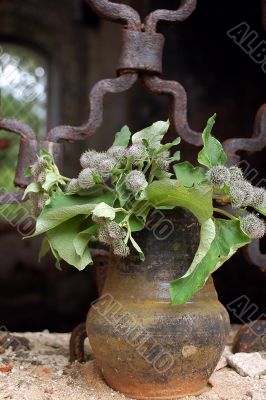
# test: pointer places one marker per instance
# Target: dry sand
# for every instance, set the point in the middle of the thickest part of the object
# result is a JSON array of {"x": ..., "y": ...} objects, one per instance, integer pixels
[{"x": 43, "y": 374}]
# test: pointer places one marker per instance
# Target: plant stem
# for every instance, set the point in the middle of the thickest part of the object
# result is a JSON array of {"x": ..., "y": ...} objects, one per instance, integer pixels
[{"x": 223, "y": 212}]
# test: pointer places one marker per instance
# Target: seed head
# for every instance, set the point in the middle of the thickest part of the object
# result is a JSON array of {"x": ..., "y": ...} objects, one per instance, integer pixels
[
  {"x": 218, "y": 176},
  {"x": 41, "y": 178},
  {"x": 38, "y": 201},
  {"x": 120, "y": 249},
  {"x": 98, "y": 220},
  {"x": 91, "y": 159},
  {"x": 162, "y": 161},
  {"x": 236, "y": 175},
  {"x": 85, "y": 179},
  {"x": 135, "y": 181},
  {"x": 236, "y": 196},
  {"x": 137, "y": 152},
  {"x": 38, "y": 167},
  {"x": 253, "y": 226},
  {"x": 247, "y": 190},
  {"x": 109, "y": 232},
  {"x": 118, "y": 152},
  {"x": 103, "y": 234},
  {"x": 115, "y": 231},
  {"x": 73, "y": 186},
  {"x": 106, "y": 166},
  {"x": 259, "y": 197},
  {"x": 41, "y": 201}
]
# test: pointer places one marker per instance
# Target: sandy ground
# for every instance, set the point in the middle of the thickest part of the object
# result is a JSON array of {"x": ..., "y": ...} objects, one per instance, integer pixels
[{"x": 43, "y": 373}]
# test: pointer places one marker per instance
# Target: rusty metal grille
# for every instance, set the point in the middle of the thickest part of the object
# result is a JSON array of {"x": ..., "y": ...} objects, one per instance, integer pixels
[
  {"x": 23, "y": 95},
  {"x": 140, "y": 59}
]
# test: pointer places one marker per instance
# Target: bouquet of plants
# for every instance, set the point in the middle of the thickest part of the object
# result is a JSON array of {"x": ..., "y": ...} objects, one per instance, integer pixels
[{"x": 113, "y": 194}]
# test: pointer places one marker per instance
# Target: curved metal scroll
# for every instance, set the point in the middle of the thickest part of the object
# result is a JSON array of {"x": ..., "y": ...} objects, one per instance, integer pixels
[
  {"x": 256, "y": 143},
  {"x": 117, "y": 13},
  {"x": 116, "y": 85},
  {"x": 18, "y": 127},
  {"x": 178, "y": 106},
  {"x": 184, "y": 11}
]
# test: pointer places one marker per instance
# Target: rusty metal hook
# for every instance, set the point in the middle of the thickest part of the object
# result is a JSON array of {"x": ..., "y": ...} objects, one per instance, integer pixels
[
  {"x": 100, "y": 89},
  {"x": 256, "y": 143},
  {"x": 178, "y": 106},
  {"x": 117, "y": 13},
  {"x": 18, "y": 127},
  {"x": 184, "y": 11}
]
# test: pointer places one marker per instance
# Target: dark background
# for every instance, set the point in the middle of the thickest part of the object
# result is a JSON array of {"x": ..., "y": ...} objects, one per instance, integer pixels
[{"x": 81, "y": 49}]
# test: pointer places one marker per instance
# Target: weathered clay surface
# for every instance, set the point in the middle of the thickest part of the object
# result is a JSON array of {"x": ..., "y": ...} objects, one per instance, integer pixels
[
  {"x": 146, "y": 347},
  {"x": 42, "y": 373}
]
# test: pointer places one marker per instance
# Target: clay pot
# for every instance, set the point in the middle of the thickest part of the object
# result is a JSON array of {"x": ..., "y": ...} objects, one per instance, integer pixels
[{"x": 145, "y": 347}]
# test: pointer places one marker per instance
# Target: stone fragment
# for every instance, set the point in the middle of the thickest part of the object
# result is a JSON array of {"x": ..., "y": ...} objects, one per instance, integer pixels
[{"x": 248, "y": 364}]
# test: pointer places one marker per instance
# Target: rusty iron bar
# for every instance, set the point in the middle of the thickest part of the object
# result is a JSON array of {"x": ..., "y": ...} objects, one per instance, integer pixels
[
  {"x": 178, "y": 106},
  {"x": 256, "y": 143},
  {"x": 117, "y": 13},
  {"x": 18, "y": 127},
  {"x": 183, "y": 12},
  {"x": 100, "y": 89}
]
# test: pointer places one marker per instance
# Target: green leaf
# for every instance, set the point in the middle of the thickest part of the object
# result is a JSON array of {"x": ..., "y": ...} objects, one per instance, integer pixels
[
  {"x": 175, "y": 156},
  {"x": 212, "y": 153},
  {"x": 32, "y": 188},
  {"x": 45, "y": 247},
  {"x": 160, "y": 174},
  {"x": 135, "y": 224},
  {"x": 124, "y": 196},
  {"x": 262, "y": 210},
  {"x": 153, "y": 134},
  {"x": 51, "y": 219},
  {"x": 83, "y": 238},
  {"x": 207, "y": 235},
  {"x": 62, "y": 238},
  {"x": 57, "y": 257},
  {"x": 95, "y": 194},
  {"x": 51, "y": 179},
  {"x": 136, "y": 246},
  {"x": 122, "y": 138},
  {"x": 44, "y": 152},
  {"x": 188, "y": 175},
  {"x": 63, "y": 207},
  {"x": 170, "y": 193},
  {"x": 103, "y": 210},
  {"x": 228, "y": 238},
  {"x": 168, "y": 146}
]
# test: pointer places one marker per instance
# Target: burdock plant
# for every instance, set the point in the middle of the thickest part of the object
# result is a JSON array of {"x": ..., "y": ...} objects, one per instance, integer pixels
[{"x": 114, "y": 192}]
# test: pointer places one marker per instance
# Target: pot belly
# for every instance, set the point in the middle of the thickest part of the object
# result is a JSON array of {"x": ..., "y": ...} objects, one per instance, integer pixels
[{"x": 156, "y": 350}]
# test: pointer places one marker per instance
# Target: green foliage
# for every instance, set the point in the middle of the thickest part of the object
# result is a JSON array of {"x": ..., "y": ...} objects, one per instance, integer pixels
[
  {"x": 62, "y": 208},
  {"x": 152, "y": 135},
  {"x": 62, "y": 240},
  {"x": 118, "y": 203},
  {"x": 211, "y": 255},
  {"x": 262, "y": 210},
  {"x": 212, "y": 153},
  {"x": 122, "y": 138},
  {"x": 103, "y": 210},
  {"x": 188, "y": 175},
  {"x": 168, "y": 146},
  {"x": 170, "y": 193}
]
